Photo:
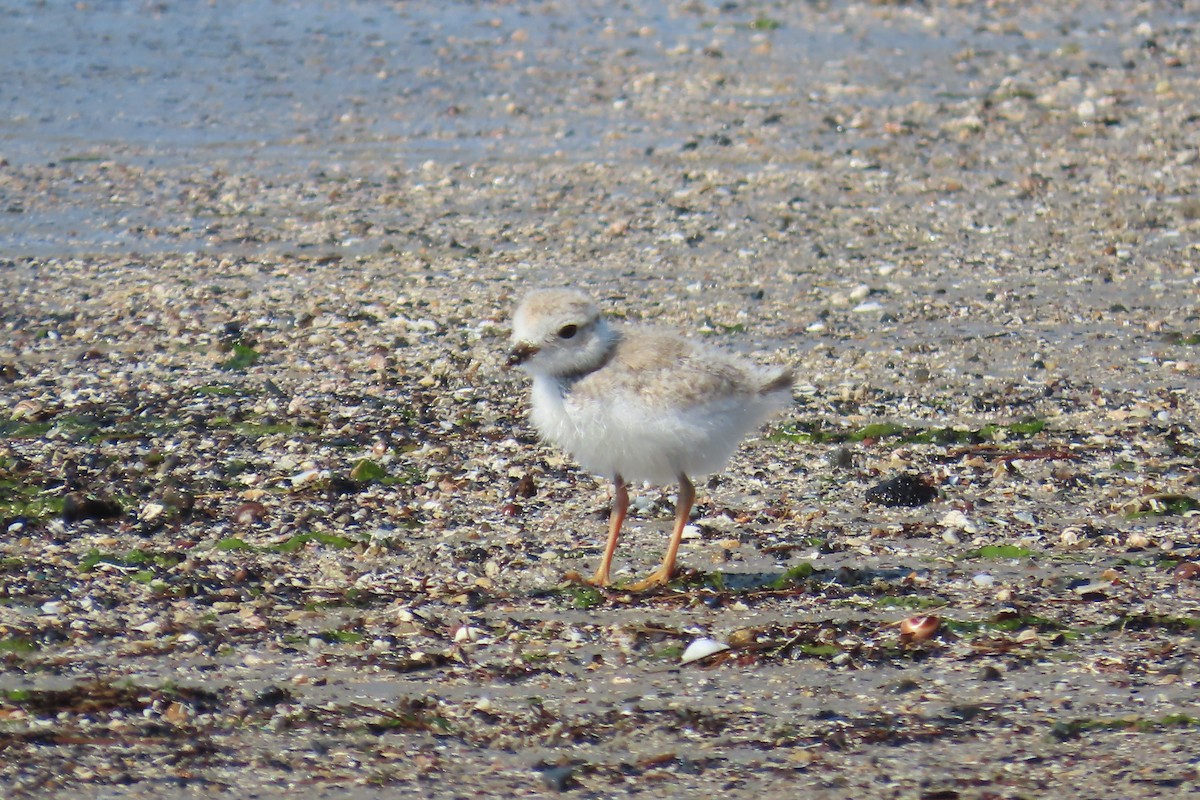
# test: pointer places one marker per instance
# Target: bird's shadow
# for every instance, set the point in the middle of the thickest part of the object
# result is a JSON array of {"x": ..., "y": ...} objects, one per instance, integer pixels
[
  {"x": 802, "y": 576},
  {"x": 715, "y": 588}
]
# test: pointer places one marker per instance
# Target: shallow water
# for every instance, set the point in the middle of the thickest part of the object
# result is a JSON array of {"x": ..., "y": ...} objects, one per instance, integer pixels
[
  {"x": 276, "y": 82},
  {"x": 278, "y": 91}
]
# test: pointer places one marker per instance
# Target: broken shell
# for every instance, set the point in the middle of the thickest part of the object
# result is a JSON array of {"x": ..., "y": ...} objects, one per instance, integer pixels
[
  {"x": 1028, "y": 636},
  {"x": 26, "y": 410},
  {"x": 152, "y": 511},
  {"x": 1097, "y": 590},
  {"x": 919, "y": 628},
  {"x": 1187, "y": 571},
  {"x": 467, "y": 634},
  {"x": 744, "y": 637},
  {"x": 1137, "y": 541},
  {"x": 249, "y": 513},
  {"x": 956, "y": 520},
  {"x": 701, "y": 648},
  {"x": 307, "y": 477}
]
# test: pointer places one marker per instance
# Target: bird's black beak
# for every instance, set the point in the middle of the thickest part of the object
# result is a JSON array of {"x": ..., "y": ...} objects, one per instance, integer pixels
[{"x": 520, "y": 354}]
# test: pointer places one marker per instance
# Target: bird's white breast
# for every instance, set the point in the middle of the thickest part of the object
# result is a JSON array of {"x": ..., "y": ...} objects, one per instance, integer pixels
[{"x": 619, "y": 434}]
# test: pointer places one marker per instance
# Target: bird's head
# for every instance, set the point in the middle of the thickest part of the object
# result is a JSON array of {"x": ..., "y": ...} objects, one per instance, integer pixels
[{"x": 558, "y": 333}]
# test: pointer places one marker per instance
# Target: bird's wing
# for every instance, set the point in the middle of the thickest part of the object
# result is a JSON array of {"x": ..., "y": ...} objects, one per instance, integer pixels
[{"x": 659, "y": 369}]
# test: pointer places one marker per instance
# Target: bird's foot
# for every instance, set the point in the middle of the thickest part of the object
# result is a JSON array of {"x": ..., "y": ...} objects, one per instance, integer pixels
[
  {"x": 660, "y": 577},
  {"x": 598, "y": 580}
]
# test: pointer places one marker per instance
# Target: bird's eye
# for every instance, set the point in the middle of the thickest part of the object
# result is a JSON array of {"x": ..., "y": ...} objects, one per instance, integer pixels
[{"x": 568, "y": 331}]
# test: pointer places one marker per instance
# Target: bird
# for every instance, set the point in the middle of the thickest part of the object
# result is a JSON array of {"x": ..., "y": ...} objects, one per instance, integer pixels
[{"x": 633, "y": 402}]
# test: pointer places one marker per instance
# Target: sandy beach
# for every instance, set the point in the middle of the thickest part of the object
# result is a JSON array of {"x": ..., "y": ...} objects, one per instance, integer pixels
[{"x": 274, "y": 523}]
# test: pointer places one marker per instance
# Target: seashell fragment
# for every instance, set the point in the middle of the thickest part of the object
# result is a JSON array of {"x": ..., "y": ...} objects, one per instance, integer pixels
[
  {"x": 919, "y": 628},
  {"x": 467, "y": 634},
  {"x": 152, "y": 511},
  {"x": 702, "y": 648},
  {"x": 28, "y": 410},
  {"x": 956, "y": 520},
  {"x": 1187, "y": 571}
]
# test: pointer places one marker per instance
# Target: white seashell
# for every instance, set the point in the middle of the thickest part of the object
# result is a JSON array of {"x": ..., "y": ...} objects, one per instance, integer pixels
[
  {"x": 642, "y": 503},
  {"x": 958, "y": 521},
  {"x": 26, "y": 409},
  {"x": 1100, "y": 588},
  {"x": 701, "y": 648},
  {"x": 153, "y": 511},
  {"x": 306, "y": 477},
  {"x": 468, "y": 634}
]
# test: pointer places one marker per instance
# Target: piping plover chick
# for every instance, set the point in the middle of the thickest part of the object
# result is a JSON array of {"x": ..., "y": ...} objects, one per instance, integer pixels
[{"x": 635, "y": 403}]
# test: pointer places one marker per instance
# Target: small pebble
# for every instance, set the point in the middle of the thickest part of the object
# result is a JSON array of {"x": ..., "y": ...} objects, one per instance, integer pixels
[
  {"x": 841, "y": 458},
  {"x": 559, "y": 778},
  {"x": 78, "y": 507},
  {"x": 990, "y": 673}
]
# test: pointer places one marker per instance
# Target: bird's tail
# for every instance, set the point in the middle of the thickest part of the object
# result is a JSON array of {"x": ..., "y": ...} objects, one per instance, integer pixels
[{"x": 778, "y": 383}]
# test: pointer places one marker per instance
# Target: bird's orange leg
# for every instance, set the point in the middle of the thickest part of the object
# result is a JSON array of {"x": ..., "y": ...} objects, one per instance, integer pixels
[
  {"x": 683, "y": 507},
  {"x": 616, "y": 518}
]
